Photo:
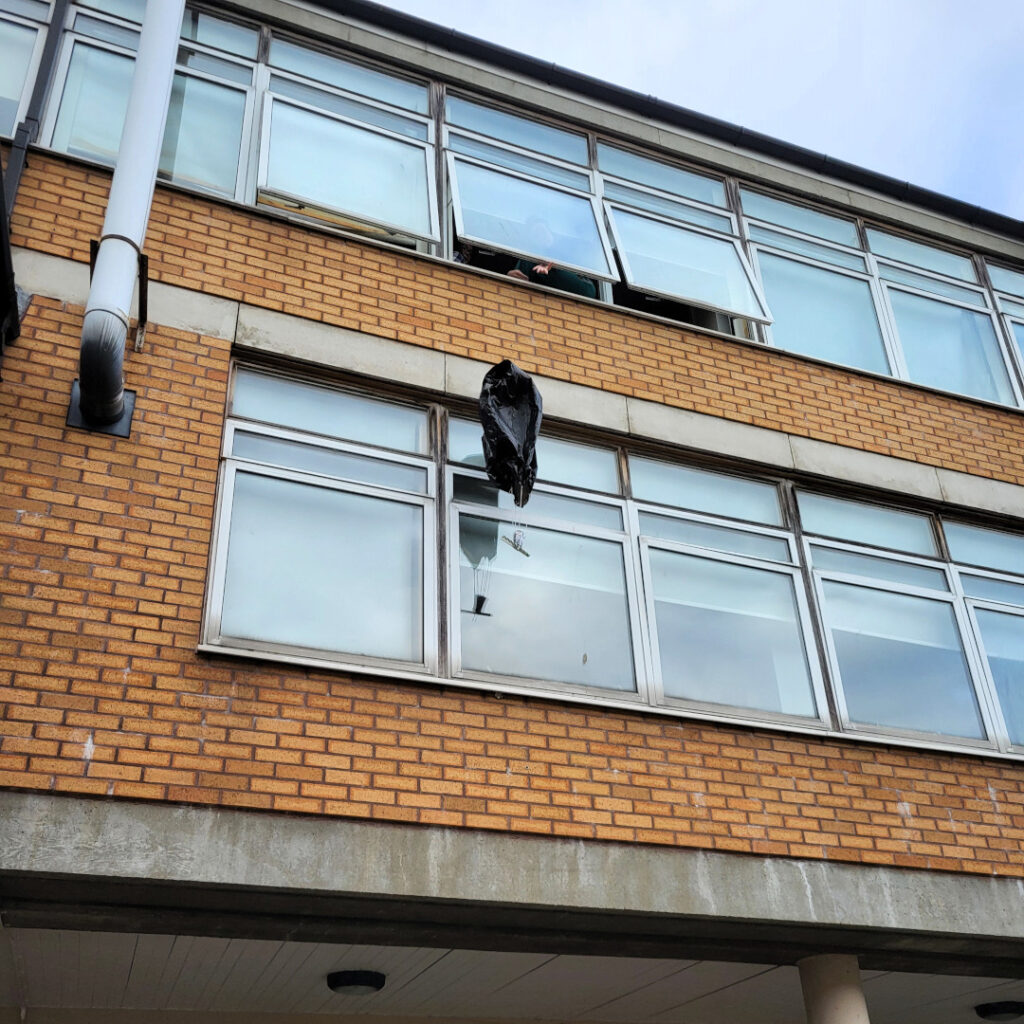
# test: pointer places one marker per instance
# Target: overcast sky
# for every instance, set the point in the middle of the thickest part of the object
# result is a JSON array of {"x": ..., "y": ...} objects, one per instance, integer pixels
[{"x": 928, "y": 91}]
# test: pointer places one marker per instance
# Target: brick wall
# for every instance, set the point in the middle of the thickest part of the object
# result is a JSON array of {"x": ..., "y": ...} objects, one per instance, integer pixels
[{"x": 104, "y": 545}]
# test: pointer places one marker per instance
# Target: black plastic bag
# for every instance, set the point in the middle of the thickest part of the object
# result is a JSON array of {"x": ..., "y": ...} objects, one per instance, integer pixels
[{"x": 510, "y": 413}]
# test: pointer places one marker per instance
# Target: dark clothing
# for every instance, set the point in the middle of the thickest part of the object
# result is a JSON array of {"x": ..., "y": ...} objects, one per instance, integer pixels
[{"x": 564, "y": 280}]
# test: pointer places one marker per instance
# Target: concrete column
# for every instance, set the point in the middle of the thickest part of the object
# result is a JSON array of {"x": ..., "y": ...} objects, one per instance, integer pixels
[{"x": 832, "y": 990}]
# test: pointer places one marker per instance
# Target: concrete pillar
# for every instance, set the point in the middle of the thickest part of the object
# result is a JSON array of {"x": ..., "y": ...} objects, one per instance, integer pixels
[{"x": 832, "y": 990}]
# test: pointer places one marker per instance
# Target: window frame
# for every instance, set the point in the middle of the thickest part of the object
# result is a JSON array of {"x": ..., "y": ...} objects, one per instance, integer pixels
[{"x": 42, "y": 28}]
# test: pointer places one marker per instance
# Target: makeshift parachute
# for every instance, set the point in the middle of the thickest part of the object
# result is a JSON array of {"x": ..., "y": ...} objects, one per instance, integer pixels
[{"x": 510, "y": 413}]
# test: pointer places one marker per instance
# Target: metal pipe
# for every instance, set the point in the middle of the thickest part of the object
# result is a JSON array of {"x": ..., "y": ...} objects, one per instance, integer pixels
[{"x": 105, "y": 326}]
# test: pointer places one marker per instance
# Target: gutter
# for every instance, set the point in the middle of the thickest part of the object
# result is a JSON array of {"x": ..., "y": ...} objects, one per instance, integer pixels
[{"x": 100, "y": 401}]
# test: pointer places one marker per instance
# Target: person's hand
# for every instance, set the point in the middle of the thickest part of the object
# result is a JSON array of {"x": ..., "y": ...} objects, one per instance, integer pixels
[
  {"x": 517, "y": 274},
  {"x": 543, "y": 268}
]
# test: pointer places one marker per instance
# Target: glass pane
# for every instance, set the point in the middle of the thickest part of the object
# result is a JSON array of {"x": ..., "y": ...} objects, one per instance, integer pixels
[
  {"x": 518, "y": 162},
  {"x": 1005, "y": 280},
  {"x": 465, "y": 441},
  {"x": 343, "y": 74},
  {"x": 1018, "y": 337},
  {"x": 328, "y": 462},
  {"x": 951, "y": 348},
  {"x": 832, "y": 560},
  {"x": 799, "y": 218},
  {"x": 1003, "y": 637},
  {"x": 992, "y": 590},
  {"x": 803, "y": 247},
  {"x": 555, "y": 506},
  {"x": 655, "y": 174},
  {"x": 346, "y": 107},
  {"x": 321, "y": 410},
  {"x": 667, "y": 207},
  {"x": 203, "y": 134},
  {"x": 94, "y": 102},
  {"x": 201, "y": 27},
  {"x": 729, "y": 634},
  {"x": 1012, "y": 308},
  {"x": 718, "y": 538},
  {"x": 560, "y": 614},
  {"x": 347, "y": 168},
  {"x": 974, "y": 545},
  {"x": 901, "y": 661},
  {"x": 930, "y": 284},
  {"x": 702, "y": 491},
  {"x": 671, "y": 260},
  {"x": 867, "y": 524},
  {"x": 107, "y": 31},
  {"x": 823, "y": 314},
  {"x": 529, "y": 219},
  {"x": 131, "y": 10},
  {"x": 206, "y": 62},
  {"x": 518, "y": 131},
  {"x": 919, "y": 255},
  {"x": 16, "y": 45},
  {"x": 323, "y": 569},
  {"x": 35, "y": 9}
]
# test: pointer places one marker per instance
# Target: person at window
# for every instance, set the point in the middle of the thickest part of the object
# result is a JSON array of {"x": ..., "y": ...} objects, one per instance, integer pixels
[{"x": 542, "y": 239}]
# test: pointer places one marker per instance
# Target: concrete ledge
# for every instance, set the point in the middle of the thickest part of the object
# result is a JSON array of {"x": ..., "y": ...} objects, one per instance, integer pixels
[{"x": 67, "y": 836}]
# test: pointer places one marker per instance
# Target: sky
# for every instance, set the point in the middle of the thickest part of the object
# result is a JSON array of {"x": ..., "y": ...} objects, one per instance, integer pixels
[{"x": 926, "y": 91}]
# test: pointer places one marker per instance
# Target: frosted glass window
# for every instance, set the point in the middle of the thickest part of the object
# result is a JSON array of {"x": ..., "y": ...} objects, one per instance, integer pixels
[
  {"x": 344, "y": 74},
  {"x": 920, "y": 255},
  {"x": 324, "y": 570},
  {"x": 729, "y": 634},
  {"x": 201, "y": 27},
  {"x": 203, "y": 136},
  {"x": 655, "y": 174},
  {"x": 668, "y": 259},
  {"x": 667, "y": 207},
  {"x": 951, "y": 348},
  {"x": 931, "y": 284},
  {"x": 702, "y": 491},
  {"x": 528, "y": 219},
  {"x": 519, "y": 162},
  {"x": 819, "y": 313},
  {"x": 344, "y": 167},
  {"x": 93, "y": 104},
  {"x": 1005, "y": 280},
  {"x": 867, "y": 524},
  {"x": 833, "y": 560},
  {"x": 328, "y": 462},
  {"x": 559, "y": 615},
  {"x": 16, "y": 45},
  {"x": 901, "y": 661},
  {"x": 345, "y": 106},
  {"x": 803, "y": 247},
  {"x": 1003, "y": 637},
  {"x": 518, "y": 131},
  {"x": 799, "y": 218},
  {"x": 321, "y": 410},
  {"x": 718, "y": 538},
  {"x": 974, "y": 545},
  {"x": 541, "y": 503}
]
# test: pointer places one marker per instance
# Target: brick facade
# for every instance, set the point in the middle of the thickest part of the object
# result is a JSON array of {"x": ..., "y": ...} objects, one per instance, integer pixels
[{"x": 105, "y": 546}]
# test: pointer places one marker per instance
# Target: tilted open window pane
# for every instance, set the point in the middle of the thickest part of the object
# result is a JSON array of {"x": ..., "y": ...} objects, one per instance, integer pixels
[
  {"x": 703, "y": 491},
  {"x": 561, "y": 615},
  {"x": 662, "y": 176},
  {"x": 1003, "y": 637},
  {"x": 867, "y": 524},
  {"x": 729, "y": 634},
  {"x": 203, "y": 136},
  {"x": 16, "y": 45},
  {"x": 682, "y": 263},
  {"x": 93, "y": 104},
  {"x": 322, "y": 410},
  {"x": 324, "y": 570},
  {"x": 340, "y": 166},
  {"x": 994, "y": 549},
  {"x": 528, "y": 219},
  {"x": 820, "y": 313},
  {"x": 352, "y": 77},
  {"x": 799, "y": 218},
  {"x": 901, "y": 661},
  {"x": 919, "y": 255},
  {"x": 950, "y": 347}
]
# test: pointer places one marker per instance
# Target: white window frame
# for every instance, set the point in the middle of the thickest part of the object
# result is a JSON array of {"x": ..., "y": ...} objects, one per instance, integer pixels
[{"x": 32, "y": 70}]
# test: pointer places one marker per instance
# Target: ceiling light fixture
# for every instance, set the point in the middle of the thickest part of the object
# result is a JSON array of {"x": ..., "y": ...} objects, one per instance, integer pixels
[
  {"x": 1000, "y": 1011},
  {"x": 355, "y": 983}
]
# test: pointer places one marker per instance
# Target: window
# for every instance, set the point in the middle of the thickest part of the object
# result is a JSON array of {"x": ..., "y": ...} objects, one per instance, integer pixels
[{"x": 22, "y": 29}]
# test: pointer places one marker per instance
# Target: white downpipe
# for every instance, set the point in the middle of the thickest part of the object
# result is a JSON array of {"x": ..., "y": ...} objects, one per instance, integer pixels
[{"x": 105, "y": 326}]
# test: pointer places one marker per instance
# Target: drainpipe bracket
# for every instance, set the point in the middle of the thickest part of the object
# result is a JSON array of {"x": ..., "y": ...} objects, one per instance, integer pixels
[{"x": 119, "y": 428}]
